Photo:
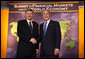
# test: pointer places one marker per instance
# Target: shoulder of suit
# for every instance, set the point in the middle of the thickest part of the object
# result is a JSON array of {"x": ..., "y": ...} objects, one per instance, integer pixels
[
  {"x": 22, "y": 20},
  {"x": 35, "y": 22},
  {"x": 41, "y": 24},
  {"x": 54, "y": 21}
]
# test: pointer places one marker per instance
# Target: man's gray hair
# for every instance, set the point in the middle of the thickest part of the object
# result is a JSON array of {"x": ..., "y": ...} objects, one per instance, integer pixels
[{"x": 28, "y": 10}]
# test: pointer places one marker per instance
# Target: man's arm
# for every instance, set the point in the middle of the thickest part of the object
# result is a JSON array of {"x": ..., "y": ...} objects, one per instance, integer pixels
[
  {"x": 21, "y": 33},
  {"x": 58, "y": 36},
  {"x": 58, "y": 39},
  {"x": 37, "y": 37},
  {"x": 40, "y": 32}
]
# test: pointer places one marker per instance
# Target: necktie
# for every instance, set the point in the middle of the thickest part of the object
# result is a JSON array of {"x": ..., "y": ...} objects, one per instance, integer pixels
[
  {"x": 31, "y": 27},
  {"x": 45, "y": 28}
]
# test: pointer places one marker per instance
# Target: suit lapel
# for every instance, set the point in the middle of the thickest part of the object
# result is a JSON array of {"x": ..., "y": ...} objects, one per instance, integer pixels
[
  {"x": 33, "y": 25},
  {"x": 48, "y": 28},
  {"x": 42, "y": 29},
  {"x": 27, "y": 26}
]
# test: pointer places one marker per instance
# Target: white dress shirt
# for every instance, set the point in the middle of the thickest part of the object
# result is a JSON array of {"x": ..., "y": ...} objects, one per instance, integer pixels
[{"x": 47, "y": 24}]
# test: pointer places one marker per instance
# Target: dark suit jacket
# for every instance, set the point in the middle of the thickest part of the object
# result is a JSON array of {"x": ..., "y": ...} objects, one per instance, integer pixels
[
  {"x": 52, "y": 38},
  {"x": 25, "y": 47}
]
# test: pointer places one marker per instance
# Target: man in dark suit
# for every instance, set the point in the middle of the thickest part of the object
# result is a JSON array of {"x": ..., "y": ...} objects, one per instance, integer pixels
[
  {"x": 50, "y": 37},
  {"x": 27, "y": 31}
]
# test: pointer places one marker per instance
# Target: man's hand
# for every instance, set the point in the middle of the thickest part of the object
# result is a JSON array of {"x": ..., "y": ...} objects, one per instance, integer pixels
[
  {"x": 33, "y": 40},
  {"x": 37, "y": 51},
  {"x": 56, "y": 52}
]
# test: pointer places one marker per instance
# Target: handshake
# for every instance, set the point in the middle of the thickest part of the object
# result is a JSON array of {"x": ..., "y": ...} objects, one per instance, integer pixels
[{"x": 34, "y": 41}]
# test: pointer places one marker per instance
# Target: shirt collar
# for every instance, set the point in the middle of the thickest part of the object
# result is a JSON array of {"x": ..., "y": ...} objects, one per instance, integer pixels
[
  {"x": 47, "y": 21},
  {"x": 29, "y": 20}
]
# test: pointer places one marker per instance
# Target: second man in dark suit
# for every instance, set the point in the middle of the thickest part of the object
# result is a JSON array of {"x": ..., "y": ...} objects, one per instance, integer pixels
[{"x": 50, "y": 37}]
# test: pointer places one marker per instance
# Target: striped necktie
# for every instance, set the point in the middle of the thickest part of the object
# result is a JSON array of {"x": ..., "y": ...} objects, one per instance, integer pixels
[
  {"x": 44, "y": 28},
  {"x": 31, "y": 27}
]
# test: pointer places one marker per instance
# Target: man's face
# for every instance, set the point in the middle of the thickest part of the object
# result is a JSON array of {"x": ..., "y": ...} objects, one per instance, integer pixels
[
  {"x": 46, "y": 15},
  {"x": 29, "y": 15}
]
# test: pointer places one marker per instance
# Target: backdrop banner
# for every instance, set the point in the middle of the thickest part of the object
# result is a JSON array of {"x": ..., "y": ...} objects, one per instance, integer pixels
[{"x": 66, "y": 13}]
